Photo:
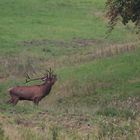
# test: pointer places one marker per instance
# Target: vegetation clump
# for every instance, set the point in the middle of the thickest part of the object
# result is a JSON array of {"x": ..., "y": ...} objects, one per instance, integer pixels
[{"x": 126, "y": 10}]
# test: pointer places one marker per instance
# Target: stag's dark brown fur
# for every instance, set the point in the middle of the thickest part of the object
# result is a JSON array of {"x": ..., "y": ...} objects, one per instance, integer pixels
[{"x": 32, "y": 93}]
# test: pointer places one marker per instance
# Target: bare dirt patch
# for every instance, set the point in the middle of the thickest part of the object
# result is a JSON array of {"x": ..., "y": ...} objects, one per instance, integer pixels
[
  {"x": 69, "y": 121},
  {"x": 135, "y": 80},
  {"x": 2, "y": 79},
  {"x": 132, "y": 103},
  {"x": 75, "y": 42}
]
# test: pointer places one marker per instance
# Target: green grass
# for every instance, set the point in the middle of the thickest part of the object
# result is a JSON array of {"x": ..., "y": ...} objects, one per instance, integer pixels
[{"x": 95, "y": 97}]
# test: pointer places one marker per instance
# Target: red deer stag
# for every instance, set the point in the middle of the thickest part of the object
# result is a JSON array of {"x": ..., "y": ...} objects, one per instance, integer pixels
[{"x": 33, "y": 93}]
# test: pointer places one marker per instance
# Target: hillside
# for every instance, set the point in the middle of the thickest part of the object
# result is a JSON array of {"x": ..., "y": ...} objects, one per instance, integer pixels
[{"x": 97, "y": 94}]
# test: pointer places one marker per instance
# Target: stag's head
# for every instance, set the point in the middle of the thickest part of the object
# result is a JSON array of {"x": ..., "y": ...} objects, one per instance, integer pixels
[{"x": 49, "y": 78}]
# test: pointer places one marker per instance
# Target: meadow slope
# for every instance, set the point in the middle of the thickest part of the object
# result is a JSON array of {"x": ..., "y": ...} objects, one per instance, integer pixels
[{"x": 97, "y": 95}]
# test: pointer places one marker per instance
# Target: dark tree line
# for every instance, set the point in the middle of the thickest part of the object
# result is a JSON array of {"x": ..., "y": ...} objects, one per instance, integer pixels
[{"x": 124, "y": 10}]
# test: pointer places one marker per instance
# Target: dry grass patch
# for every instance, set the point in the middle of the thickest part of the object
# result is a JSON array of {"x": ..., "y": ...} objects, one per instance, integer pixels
[{"x": 74, "y": 43}]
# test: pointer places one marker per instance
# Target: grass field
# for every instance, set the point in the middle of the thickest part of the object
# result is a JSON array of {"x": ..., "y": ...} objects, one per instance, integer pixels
[{"x": 97, "y": 95}]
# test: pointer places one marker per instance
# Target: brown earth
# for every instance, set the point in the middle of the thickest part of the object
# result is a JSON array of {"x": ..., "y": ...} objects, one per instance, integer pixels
[{"x": 75, "y": 42}]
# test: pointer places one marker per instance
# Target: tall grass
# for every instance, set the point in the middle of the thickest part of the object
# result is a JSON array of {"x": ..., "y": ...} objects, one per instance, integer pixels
[{"x": 96, "y": 95}]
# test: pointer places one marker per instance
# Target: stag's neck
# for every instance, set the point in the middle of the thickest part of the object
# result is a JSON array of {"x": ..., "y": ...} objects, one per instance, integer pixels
[
  {"x": 47, "y": 88},
  {"x": 47, "y": 85}
]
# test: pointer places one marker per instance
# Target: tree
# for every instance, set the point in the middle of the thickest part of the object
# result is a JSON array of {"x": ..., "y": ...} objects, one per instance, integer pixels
[{"x": 124, "y": 10}]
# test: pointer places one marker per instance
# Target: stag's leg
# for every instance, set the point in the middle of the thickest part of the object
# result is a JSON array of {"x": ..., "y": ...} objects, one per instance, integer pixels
[
  {"x": 36, "y": 101},
  {"x": 15, "y": 101},
  {"x": 11, "y": 100}
]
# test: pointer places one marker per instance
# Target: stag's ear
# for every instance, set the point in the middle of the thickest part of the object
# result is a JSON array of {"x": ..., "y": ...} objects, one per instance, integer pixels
[
  {"x": 44, "y": 79},
  {"x": 55, "y": 77}
]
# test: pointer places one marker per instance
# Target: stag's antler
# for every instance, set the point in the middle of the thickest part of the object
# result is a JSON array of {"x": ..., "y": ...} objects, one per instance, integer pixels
[
  {"x": 50, "y": 73},
  {"x": 28, "y": 78}
]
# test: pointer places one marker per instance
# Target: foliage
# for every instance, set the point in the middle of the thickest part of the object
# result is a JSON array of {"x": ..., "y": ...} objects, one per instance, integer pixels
[
  {"x": 2, "y": 135},
  {"x": 97, "y": 92},
  {"x": 127, "y": 10}
]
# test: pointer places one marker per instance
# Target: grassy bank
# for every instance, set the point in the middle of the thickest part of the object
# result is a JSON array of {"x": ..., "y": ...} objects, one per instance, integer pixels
[{"x": 97, "y": 92}]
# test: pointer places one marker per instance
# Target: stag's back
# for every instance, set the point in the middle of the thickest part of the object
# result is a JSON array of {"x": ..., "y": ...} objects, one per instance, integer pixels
[{"x": 26, "y": 91}]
